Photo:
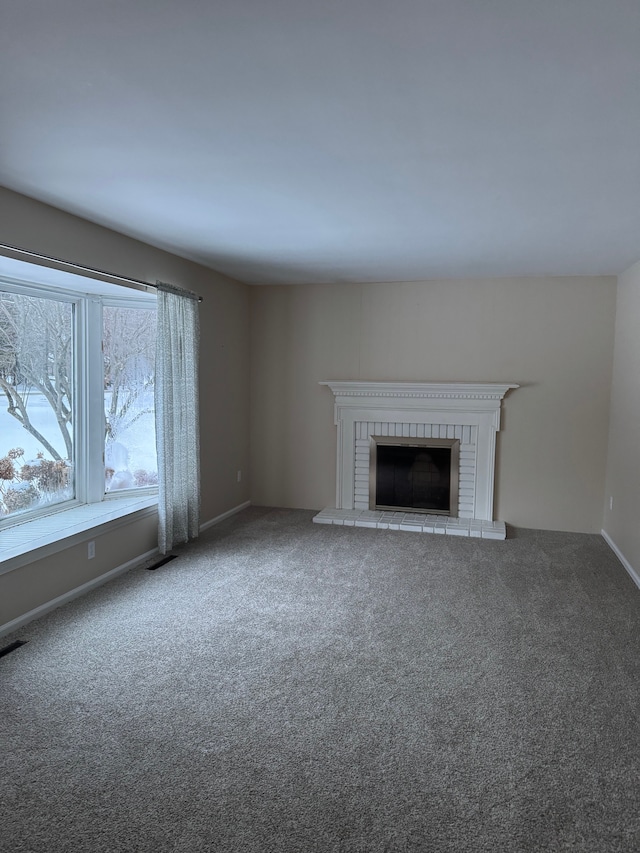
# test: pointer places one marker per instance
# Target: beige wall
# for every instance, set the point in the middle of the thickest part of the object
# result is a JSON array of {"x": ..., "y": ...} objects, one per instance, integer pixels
[
  {"x": 224, "y": 379},
  {"x": 552, "y": 336},
  {"x": 44, "y": 580},
  {"x": 622, "y": 524}
]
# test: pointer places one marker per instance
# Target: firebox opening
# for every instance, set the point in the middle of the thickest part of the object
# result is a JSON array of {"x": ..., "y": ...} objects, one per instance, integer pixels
[{"x": 419, "y": 475}]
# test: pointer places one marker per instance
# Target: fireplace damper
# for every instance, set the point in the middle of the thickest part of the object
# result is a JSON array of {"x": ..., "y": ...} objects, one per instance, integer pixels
[{"x": 415, "y": 474}]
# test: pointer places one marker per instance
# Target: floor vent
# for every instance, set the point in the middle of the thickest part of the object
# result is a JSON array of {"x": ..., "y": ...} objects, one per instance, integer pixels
[
  {"x": 161, "y": 562},
  {"x": 12, "y": 647}
]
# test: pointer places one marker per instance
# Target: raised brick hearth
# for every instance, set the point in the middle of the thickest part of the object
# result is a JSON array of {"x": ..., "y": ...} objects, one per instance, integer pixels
[{"x": 469, "y": 412}]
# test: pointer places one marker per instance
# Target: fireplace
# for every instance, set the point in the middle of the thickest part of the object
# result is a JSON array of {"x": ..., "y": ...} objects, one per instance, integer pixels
[
  {"x": 413, "y": 474},
  {"x": 431, "y": 422}
]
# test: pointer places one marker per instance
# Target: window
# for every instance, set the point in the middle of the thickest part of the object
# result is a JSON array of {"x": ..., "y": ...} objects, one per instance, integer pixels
[
  {"x": 129, "y": 343},
  {"x": 77, "y": 363}
]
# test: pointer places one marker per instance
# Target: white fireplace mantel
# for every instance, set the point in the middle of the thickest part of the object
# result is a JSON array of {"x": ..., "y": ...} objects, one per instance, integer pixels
[
  {"x": 490, "y": 392},
  {"x": 469, "y": 410}
]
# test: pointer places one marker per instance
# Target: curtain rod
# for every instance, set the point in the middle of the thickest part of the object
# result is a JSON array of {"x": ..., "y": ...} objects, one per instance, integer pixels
[{"x": 134, "y": 283}]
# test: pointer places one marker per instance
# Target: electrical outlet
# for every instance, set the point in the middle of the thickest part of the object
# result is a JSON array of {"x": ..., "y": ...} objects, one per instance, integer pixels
[
  {"x": 239, "y": 476},
  {"x": 91, "y": 550}
]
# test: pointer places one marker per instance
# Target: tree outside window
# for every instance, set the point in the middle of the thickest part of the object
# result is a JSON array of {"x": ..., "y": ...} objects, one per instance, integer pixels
[
  {"x": 44, "y": 437},
  {"x": 129, "y": 345}
]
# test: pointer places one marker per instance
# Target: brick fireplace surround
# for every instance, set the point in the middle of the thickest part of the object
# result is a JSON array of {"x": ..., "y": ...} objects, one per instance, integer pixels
[{"x": 469, "y": 412}]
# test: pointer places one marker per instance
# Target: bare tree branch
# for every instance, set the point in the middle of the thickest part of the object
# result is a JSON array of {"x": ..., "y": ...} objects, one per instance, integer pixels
[{"x": 18, "y": 410}]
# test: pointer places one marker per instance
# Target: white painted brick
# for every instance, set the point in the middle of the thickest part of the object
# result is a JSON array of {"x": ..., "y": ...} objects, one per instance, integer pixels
[
  {"x": 494, "y": 530},
  {"x": 372, "y": 514},
  {"x": 457, "y": 527},
  {"x": 475, "y": 529},
  {"x": 411, "y": 527},
  {"x": 493, "y": 534}
]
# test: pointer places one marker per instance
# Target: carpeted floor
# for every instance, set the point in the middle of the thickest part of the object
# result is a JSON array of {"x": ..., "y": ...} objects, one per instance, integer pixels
[{"x": 285, "y": 686}]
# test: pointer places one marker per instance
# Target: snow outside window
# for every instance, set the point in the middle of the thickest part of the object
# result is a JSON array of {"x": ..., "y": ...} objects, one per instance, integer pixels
[
  {"x": 77, "y": 420},
  {"x": 129, "y": 349}
]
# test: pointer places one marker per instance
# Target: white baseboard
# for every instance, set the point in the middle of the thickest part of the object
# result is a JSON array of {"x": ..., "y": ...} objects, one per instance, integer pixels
[
  {"x": 227, "y": 514},
  {"x": 635, "y": 577},
  {"x": 20, "y": 621}
]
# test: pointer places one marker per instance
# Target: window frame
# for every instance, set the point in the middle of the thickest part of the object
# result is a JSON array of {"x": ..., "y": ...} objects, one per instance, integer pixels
[
  {"x": 88, "y": 405},
  {"x": 120, "y": 302}
]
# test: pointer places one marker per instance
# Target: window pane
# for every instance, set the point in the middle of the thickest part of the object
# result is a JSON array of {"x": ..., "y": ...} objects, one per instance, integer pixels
[
  {"x": 129, "y": 341},
  {"x": 36, "y": 418}
]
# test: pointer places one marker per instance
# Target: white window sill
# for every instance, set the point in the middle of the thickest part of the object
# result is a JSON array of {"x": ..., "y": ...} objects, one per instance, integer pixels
[{"x": 33, "y": 540}]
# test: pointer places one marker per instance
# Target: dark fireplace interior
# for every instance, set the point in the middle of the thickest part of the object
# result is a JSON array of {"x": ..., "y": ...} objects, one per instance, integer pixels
[{"x": 415, "y": 478}]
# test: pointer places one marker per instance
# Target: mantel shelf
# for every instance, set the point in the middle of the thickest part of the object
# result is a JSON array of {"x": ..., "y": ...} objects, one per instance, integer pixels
[{"x": 467, "y": 411}]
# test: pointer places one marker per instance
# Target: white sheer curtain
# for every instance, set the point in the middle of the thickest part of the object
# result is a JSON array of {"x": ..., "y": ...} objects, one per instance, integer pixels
[{"x": 177, "y": 425}]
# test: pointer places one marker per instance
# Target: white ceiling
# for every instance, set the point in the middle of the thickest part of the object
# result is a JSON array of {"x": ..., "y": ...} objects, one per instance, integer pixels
[{"x": 335, "y": 140}]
